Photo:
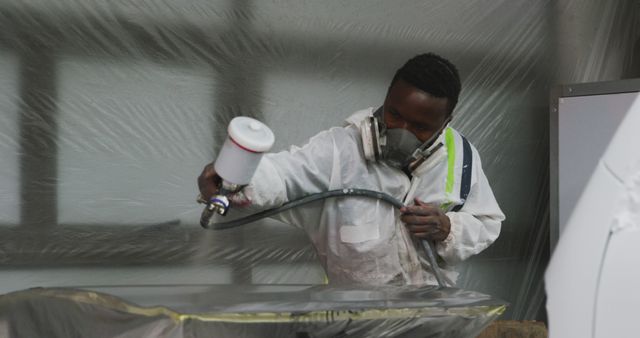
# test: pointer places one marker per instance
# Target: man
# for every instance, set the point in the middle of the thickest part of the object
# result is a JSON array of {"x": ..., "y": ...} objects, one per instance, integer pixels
[{"x": 366, "y": 241}]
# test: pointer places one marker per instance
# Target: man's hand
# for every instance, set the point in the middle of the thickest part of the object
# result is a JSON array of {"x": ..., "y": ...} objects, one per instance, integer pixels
[
  {"x": 426, "y": 221},
  {"x": 208, "y": 182}
]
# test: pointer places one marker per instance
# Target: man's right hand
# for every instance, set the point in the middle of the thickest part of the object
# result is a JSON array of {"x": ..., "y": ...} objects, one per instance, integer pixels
[{"x": 208, "y": 182}]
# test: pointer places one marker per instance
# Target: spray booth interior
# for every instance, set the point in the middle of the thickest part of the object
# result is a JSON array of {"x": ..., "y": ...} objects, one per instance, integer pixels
[{"x": 110, "y": 110}]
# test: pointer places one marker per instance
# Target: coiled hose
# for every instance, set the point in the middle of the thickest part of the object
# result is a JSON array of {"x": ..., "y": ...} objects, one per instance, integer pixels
[{"x": 427, "y": 246}]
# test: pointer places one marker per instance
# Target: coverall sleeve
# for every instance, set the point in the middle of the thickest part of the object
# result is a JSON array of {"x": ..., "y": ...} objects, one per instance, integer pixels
[
  {"x": 476, "y": 225},
  {"x": 300, "y": 171}
]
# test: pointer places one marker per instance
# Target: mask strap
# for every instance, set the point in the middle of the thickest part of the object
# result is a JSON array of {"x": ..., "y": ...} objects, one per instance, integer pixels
[
  {"x": 379, "y": 115},
  {"x": 423, "y": 153},
  {"x": 428, "y": 143}
]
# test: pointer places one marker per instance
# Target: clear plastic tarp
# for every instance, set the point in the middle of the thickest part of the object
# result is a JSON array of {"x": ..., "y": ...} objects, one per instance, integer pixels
[
  {"x": 248, "y": 311},
  {"x": 110, "y": 110}
]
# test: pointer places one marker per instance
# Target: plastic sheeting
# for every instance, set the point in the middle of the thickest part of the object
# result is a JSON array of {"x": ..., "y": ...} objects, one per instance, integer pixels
[
  {"x": 110, "y": 109},
  {"x": 250, "y": 311}
]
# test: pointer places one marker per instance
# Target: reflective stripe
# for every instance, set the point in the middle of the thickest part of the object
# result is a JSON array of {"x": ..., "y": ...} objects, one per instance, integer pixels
[
  {"x": 451, "y": 162},
  {"x": 465, "y": 179}
]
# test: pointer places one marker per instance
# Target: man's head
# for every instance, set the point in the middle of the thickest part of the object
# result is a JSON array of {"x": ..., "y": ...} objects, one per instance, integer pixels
[
  {"x": 422, "y": 95},
  {"x": 432, "y": 74}
]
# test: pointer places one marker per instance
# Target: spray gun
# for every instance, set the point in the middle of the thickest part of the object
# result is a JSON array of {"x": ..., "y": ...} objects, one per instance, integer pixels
[{"x": 247, "y": 139}]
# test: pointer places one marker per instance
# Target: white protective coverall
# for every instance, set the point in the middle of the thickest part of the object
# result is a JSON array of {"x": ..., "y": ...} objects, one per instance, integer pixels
[{"x": 362, "y": 240}]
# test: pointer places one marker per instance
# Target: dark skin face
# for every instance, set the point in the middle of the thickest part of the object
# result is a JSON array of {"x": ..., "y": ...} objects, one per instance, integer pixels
[
  {"x": 414, "y": 110},
  {"x": 423, "y": 115}
]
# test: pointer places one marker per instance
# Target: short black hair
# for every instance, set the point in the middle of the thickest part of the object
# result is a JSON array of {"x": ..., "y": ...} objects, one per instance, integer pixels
[{"x": 433, "y": 74}]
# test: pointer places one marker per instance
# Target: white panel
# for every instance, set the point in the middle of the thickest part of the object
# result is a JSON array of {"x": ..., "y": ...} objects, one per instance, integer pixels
[
  {"x": 586, "y": 125},
  {"x": 572, "y": 276},
  {"x": 622, "y": 154},
  {"x": 618, "y": 300}
]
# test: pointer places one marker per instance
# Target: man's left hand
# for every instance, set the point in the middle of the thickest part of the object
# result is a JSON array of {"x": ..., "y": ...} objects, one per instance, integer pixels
[{"x": 426, "y": 221}]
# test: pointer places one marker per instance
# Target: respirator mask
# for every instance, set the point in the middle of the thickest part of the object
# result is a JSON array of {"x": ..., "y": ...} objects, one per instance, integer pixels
[{"x": 397, "y": 147}]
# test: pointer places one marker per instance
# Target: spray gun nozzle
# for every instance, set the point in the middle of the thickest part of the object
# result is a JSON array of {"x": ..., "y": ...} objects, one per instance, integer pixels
[{"x": 219, "y": 204}]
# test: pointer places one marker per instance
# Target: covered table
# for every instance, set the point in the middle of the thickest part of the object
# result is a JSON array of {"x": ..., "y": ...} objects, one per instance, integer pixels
[{"x": 247, "y": 311}]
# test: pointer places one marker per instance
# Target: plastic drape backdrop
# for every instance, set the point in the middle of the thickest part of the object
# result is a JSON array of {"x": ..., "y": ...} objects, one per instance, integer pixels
[{"x": 110, "y": 109}]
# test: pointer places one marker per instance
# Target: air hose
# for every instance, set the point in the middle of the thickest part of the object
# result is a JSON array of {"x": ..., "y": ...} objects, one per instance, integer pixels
[{"x": 427, "y": 246}]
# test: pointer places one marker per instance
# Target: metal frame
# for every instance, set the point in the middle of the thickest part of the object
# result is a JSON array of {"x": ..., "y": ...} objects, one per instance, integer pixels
[{"x": 573, "y": 90}]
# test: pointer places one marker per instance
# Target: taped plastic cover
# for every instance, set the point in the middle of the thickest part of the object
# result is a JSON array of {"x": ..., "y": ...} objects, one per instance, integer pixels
[
  {"x": 250, "y": 311},
  {"x": 110, "y": 109}
]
